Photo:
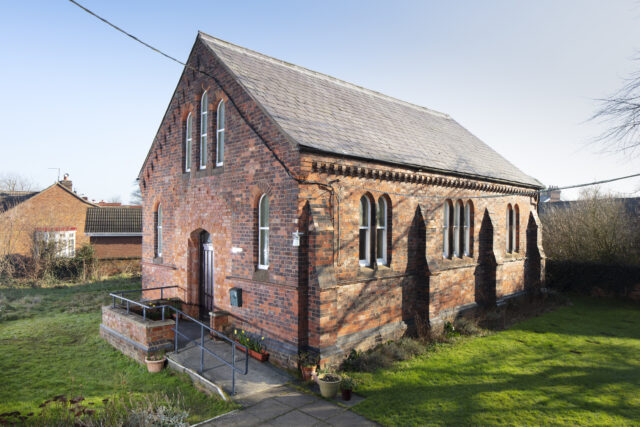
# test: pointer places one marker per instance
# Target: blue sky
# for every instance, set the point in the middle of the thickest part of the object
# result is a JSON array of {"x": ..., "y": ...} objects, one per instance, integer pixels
[{"x": 522, "y": 76}]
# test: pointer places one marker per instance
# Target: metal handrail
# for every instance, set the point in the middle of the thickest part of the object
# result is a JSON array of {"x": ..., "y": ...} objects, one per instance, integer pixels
[{"x": 212, "y": 331}]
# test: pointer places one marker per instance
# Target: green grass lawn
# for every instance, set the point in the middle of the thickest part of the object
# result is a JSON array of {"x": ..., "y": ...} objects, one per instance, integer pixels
[
  {"x": 577, "y": 365},
  {"x": 50, "y": 345}
]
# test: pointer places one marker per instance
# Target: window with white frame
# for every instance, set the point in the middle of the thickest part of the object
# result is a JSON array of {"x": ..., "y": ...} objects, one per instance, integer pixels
[
  {"x": 381, "y": 231},
  {"x": 158, "y": 246},
  {"x": 203, "y": 130},
  {"x": 468, "y": 229},
  {"x": 263, "y": 232},
  {"x": 64, "y": 242},
  {"x": 447, "y": 229},
  {"x": 365, "y": 232},
  {"x": 187, "y": 143},
  {"x": 220, "y": 134}
]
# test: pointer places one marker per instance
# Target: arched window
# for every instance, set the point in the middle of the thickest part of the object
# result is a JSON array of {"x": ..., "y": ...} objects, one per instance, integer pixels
[
  {"x": 510, "y": 232},
  {"x": 447, "y": 229},
  {"x": 365, "y": 231},
  {"x": 516, "y": 229},
  {"x": 203, "y": 130},
  {"x": 468, "y": 229},
  {"x": 458, "y": 219},
  {"x": 187, "y": 143},
  {"x": 220, "y": 135},
  {"x": 263, "y": 232},
  {"x": 158, "y": 221},
  {"x": 381, "y": 231}
]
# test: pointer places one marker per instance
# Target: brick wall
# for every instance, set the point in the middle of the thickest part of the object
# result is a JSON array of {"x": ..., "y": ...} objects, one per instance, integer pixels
[
  {"x": 117, "y": 246},
  {"x": 317, "y": 295}
]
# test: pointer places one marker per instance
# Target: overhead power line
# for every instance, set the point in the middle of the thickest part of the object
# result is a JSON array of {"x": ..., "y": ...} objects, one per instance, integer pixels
[{"x": 286, "y": 168}]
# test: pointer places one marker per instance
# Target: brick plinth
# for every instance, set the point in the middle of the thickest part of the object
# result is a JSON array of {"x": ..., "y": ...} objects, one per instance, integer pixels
[{"x": 134, "y": 336}]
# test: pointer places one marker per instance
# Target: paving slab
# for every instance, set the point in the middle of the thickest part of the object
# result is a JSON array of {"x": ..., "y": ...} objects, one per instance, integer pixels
[
  {"x": 322, "y": 409},
  {"x": 268, "y": 409},
  {"x": 348, "y": 419},
  {"x": 296, "y": 418}
]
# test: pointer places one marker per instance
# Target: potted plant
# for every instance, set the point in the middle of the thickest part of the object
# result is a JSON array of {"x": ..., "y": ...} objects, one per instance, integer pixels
[
  {"x": 155, "y": 361},
  {"x": 254, "y": 345},
  {"x": 329, "y": 384},
  {"x": 308, "y": 362},
  {"x": 346, "y": 387}
]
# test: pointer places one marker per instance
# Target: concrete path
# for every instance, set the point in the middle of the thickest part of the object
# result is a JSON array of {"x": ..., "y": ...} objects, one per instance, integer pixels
[
  {"x": 284, "y": 406},
  {"x": 260, "y": 377}
]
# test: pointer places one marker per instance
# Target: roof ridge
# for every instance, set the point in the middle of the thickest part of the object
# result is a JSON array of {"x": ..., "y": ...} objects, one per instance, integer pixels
[{"x": 318, "y": 74}]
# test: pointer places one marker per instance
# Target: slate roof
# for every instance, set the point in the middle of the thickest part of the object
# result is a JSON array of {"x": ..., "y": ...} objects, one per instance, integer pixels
[
  {"x": 114, "y": 220},
  {"x": 330, "y": 115},
  {"x": 9, "y": 199}
]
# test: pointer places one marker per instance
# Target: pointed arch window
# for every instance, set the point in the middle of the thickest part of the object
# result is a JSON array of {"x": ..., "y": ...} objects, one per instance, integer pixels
[
  {"x": 381, "y": 231},
  {"x": 365, "y": 232},
  {"x": 187, "y": 143},
  {"x": 513, "y": 229},
  {"x": 458, "y": 219},
  {"x": 468, "y": 229},
  {"x": 447, "y": 229},
  {"x": 203, "y": 129},
  {"x": 158, "y": 221},
  {"x": 263, "y": 232},
  {"x": 220, "y": 126}
]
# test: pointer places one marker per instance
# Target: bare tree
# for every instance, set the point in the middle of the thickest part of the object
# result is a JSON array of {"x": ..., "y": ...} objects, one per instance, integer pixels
[
  {"x": 135, "y": 198},
  {"x": 15, "y": 182},
  {"x": 597, "y": 228},
  {"x": 621, "y": 112},
  {"x": 115, "y": 199}
]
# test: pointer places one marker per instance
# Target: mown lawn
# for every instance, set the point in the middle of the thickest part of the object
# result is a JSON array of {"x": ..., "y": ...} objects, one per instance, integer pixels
[
  {"x": 577, "y": 365},
  {"x": 50, "y": 345}
]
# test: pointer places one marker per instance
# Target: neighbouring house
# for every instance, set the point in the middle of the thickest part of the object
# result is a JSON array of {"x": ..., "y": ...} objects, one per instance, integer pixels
[
  {"x": 58, "y": 214},
  {"x": 115, "y": 232},
  {"x": 322, "y": 215}
]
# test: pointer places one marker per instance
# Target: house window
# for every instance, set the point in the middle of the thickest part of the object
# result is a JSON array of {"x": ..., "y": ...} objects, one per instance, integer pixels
[
  {"x": 365, "y": 231},
  {"x": 203, "y": 130},
  {"x": 187, "y": 144},
  {"x": 513, "y": 229},
  {"x": 381, "y": 231},
  {"x": 263, "y": 232},
  {"x": 468, "y": 229},
  {"x": 63, "y": 242},
  {"x": 220, "y": 135},
  {"x": 158, "y": 245},
  {"x": 447, "y": 229}
]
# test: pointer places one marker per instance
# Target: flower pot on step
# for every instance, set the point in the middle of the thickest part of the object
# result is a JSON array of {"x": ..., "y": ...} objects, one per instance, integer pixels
[
  {"x": 329, "y": 385},
  {"x": 154, "y": 366},
  {"x": 346, "y": 395}
]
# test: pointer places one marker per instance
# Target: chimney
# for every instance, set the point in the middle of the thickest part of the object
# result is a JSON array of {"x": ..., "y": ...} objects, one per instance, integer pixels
[
  {"x": 66, "y": 182},
  {"x": 554, "y": 195}
]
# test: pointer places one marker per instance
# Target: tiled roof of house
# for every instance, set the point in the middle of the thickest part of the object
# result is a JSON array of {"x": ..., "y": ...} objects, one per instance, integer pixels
[
  {"x": 330, "y": 115},
  {"x": 114, "y": 220},
  {"x": 9, "y": 199}
]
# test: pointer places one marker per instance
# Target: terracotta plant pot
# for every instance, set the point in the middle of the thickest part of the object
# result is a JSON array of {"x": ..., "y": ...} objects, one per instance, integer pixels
[
  {"x": 329, "y": 388},
  {"x": 262, "y": 356},
  {"x": 308, "y": 372},
  {"x": 154, "y": 366}
]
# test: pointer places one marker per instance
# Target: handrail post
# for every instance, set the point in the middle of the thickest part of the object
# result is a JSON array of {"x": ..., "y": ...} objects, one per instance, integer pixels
[
  {"x": 233, "y": 369},
  {"x": 201, "y": 348},
  {"x": 114, "y": 301},
  {"x": 127, "y": 307},
  {"x": 176, "y": 332},
  {"x": 163, "y": 313},
  {"x": 161, "y": 293},
  {"x": 144, "y": 313}
]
